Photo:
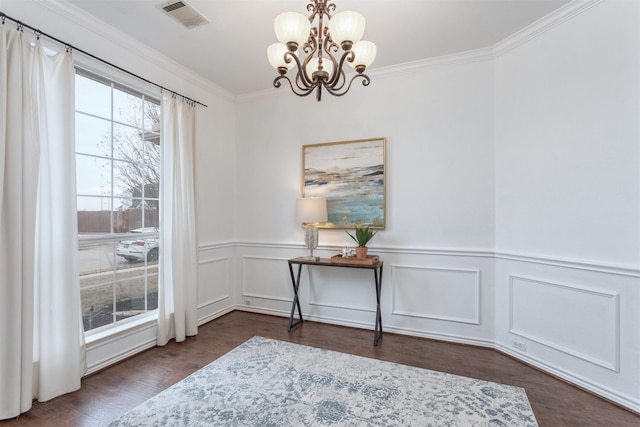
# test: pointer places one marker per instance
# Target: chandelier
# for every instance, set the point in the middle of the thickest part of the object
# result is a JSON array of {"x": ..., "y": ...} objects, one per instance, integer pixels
[{"x": 320, "y": 67}]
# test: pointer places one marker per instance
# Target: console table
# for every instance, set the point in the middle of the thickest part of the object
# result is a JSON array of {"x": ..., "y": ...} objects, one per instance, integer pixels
[{"x": 325, "y": 262}]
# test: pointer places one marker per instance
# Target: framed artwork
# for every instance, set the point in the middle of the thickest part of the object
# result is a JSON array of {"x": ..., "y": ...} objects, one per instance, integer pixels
[{"x": 351, "y": 175}]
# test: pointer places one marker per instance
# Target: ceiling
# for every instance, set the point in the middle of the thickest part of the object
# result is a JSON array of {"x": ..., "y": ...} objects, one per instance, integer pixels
[{"x": 230, "y": 51}]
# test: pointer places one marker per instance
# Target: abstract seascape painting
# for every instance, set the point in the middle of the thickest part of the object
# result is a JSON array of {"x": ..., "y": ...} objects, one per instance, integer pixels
[{"x": 351, "y": 176}]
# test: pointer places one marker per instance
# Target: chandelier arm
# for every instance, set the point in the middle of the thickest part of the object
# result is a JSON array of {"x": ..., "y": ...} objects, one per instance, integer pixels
[
  {"x": 329, "y": 9},
  {"x": 365, "y": 82},
  {"x": 328, "y": 43},
  {"x": 301, "y": 82},
  {"x": 338, "y": 75},
  {"x": 312, "y": 43},
  {"x": 327, "y": 47},
  {"x": 336, "y": 83},
  {"x": 277, "y": 83},
  {"x": 313, "y": 9},
  {"x": 338, "y": 66},
  {"x": 299, "y": 75},
  {"x": 320, "y": 7},
  {"x": 289, "y": 57},
  {"x": 338, "y": 80},
  {"x": 310, "y": 49},
  {"x": 302, "y": 79}
]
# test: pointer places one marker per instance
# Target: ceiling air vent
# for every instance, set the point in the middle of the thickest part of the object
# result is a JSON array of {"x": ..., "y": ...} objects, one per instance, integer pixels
[{"x": 184, "y": 13}]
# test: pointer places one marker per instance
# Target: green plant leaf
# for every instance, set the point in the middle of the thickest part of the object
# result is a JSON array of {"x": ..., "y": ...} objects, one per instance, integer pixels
[{"x": 363, "y": 235}]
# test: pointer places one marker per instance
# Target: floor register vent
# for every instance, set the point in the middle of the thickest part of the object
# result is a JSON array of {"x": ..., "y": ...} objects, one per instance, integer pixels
[{"x": 184, "y": 13}]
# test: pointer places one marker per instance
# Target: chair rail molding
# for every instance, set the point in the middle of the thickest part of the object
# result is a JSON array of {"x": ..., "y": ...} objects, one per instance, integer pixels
[{"x": 551, "y": 260}]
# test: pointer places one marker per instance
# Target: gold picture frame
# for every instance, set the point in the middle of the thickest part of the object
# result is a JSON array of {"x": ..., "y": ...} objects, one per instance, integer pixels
[{"x": 351, "y": 175}]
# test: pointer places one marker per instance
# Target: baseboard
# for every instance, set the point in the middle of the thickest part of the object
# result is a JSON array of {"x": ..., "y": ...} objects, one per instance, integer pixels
[
  {"x": 258, "y": 310},
  {"x": 622, "y": 400},
  {"x": 208, "y": 318},
  {"x": 458, "y": 339}
]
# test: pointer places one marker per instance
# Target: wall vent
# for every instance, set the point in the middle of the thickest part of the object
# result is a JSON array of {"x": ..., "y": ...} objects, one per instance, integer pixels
[{"x": 184, "y": 13}]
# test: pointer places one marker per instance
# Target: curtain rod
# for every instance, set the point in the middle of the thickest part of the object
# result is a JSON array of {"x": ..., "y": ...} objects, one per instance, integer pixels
[{"x": 39, "y": 33}]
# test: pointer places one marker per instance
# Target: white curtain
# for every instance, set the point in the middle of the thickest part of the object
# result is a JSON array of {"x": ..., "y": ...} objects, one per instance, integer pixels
[
  {"x": 42, "y": 352},
  {"x": 178, "y": 281}
]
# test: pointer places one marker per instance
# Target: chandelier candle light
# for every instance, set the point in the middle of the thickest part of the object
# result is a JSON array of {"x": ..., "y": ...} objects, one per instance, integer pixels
[
  {"x": 320, "y": 44},
  {"x": 309, "y": 211}
]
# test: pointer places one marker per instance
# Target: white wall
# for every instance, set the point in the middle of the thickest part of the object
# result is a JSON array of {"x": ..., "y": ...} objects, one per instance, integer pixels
[
  {"x": 438, "y": 124},
  {"x": 439, "y": 217},
  {"x": 513, "y": 202},
  {"x": 567, "y": 165},
  {"x": 567, "y": 131}
]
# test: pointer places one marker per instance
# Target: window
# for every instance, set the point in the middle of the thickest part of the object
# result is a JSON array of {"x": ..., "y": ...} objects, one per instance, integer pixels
[{"x": 118, "y": 182}]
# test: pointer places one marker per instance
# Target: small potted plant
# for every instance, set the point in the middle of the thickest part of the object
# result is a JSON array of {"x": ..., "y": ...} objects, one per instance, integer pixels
[{"x": 362, "y": 237}]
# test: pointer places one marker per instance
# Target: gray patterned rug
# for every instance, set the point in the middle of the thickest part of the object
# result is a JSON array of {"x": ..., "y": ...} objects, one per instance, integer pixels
[{"x": 265, "y": 382}]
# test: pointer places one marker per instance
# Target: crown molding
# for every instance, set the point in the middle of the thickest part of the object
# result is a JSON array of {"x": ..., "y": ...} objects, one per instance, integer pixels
[
  {"x": 477, "y": 55},
  {"x": 544, "y": 24},
  {"x": 81, "y": 18},
  {"x": 467, "y": 57},
  {"x": 264, "y": 93}
]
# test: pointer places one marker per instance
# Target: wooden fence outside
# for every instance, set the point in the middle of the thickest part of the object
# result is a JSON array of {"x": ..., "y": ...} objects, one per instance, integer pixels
[{"x": 123, "y": 221}]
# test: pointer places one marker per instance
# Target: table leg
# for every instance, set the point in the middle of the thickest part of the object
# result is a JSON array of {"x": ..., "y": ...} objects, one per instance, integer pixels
[
  {"x": 296, "y": 301},
  {"x": 378, "y": 328}
]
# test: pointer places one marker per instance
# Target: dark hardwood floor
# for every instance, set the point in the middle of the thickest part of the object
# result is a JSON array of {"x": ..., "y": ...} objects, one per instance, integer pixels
[{"x": 110, "y": 393}]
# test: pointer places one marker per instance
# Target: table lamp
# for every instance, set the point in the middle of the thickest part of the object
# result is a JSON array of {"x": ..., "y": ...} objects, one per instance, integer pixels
[{"x": 309, "y": 211}]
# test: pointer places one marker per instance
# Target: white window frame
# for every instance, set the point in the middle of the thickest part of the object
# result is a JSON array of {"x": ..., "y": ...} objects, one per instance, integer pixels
[{"x": 117, "y": 326}]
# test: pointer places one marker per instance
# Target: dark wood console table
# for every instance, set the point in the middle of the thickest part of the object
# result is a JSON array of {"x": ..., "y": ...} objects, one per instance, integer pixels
[{"x": 295, "y": 280}]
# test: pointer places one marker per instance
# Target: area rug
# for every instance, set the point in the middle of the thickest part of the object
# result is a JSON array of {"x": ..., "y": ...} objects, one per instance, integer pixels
[{"x": 266, "y": 382}]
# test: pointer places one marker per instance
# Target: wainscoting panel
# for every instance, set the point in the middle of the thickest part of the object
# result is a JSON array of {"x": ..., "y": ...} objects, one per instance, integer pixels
[
  {"x": 214, "y": 281},
  {"x": 340, "y": 288},
  {"x": 123, "y": 342},
  {"x": 450, "y": 294},
  {"x": 266, "y": 278},
  {"x": 577, "y": 320}
]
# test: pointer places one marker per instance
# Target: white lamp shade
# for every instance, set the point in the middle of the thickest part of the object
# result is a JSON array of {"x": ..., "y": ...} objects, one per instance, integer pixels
[
  {"x": 292, "y": 27},
  {"x": 312, "y": 66},
  {"x": 346, "y": 26},
  {"x": 365, "y": 53},
  {"x": 311, "y": 209},
  {"x": 275, "y": 53}
]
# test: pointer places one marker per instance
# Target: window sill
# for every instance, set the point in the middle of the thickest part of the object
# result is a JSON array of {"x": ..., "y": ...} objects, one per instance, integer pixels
[{"x": 141, "y": 321}]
